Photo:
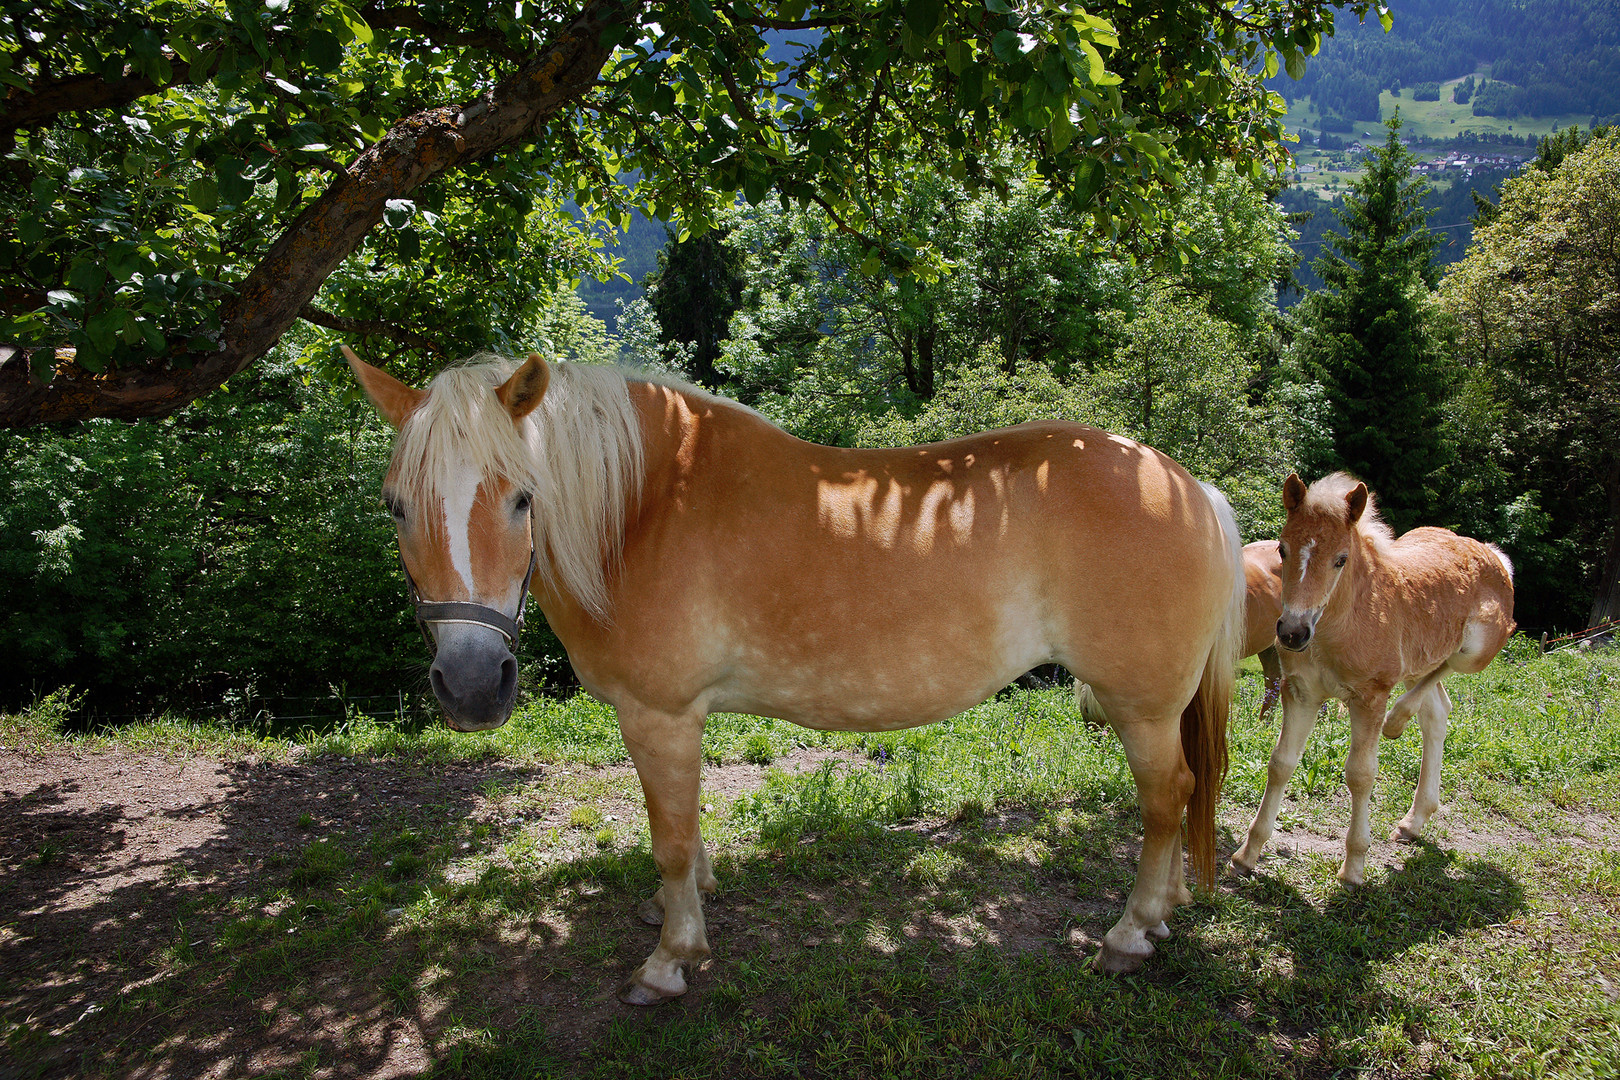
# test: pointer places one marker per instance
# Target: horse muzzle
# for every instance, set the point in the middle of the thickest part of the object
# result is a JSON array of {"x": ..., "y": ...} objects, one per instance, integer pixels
[
  {"x": 1295, "y": 630},
  {"x": 474, "y": 676}
]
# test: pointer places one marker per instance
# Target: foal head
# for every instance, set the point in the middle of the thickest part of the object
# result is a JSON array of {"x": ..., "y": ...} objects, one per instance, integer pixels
[
  {"x": 466, "y": 533},
  {"x": 1316, "y": 546}
]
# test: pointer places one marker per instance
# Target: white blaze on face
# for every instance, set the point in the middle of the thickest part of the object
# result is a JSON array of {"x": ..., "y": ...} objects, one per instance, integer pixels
[
  {"x": 458, "y": 504},
  {"x": 1305, "y": 557}
]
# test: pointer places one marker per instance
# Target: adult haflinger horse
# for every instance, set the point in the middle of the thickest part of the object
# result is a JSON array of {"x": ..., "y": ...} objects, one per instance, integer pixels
[
  {"x": 692, "y": 557},
  {"x": 1362, "y": 611}
]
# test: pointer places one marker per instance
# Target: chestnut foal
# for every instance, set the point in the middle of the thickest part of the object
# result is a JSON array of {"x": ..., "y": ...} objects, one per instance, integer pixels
[{"x": 1363, "y": 611}]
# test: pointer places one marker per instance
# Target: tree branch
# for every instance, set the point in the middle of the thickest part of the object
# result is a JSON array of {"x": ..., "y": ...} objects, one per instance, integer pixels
[
  {"x": 418, "y": 149},
  {"x": 369, "y": 328}
]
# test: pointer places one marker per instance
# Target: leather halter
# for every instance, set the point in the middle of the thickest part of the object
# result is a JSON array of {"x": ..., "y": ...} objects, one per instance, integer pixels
[{"x": 462, "y": 611}]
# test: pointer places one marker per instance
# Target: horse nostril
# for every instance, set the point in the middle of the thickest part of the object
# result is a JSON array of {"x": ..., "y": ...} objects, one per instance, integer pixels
[
  {"x": 436, "y": 680},
  {"x": 509, "y": 674}
]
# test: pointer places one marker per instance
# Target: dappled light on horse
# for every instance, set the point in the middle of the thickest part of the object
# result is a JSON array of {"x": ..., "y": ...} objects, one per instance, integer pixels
[{"x": 694, "y": 558}]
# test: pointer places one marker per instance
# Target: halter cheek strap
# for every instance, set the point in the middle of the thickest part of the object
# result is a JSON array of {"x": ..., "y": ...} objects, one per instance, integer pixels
[{"x": 462, "y": 611}]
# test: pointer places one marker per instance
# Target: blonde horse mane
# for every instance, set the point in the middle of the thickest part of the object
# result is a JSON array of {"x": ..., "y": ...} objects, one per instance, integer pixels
[
  {"x": 578, "y": 455},
  {"x": 1327, "y": 496}
]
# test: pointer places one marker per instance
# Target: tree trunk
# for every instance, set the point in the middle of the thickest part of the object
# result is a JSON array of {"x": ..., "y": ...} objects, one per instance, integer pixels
[
  {"x": 1606, "y": 604},
  {"x": 416, "y": 150},
  {"x": 925, "y": 361}
]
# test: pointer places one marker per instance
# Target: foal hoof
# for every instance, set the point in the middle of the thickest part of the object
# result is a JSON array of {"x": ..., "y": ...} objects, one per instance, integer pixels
[
  {"x": 651, "y": 912},
  {"x": 1395, "y": 726},
  {"x": 1403, "y": 834},
  {"x": 1160, "y": 932},
  {"x": 1237, "y": 869}
]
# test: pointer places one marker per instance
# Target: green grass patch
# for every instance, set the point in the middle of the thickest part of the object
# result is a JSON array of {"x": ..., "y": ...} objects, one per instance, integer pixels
[{"x": 907, "y": 908}]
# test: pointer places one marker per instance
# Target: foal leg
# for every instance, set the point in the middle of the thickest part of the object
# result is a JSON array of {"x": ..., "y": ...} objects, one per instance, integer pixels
[
  {"x": 1407, "y": 705},
  {"x": 1300, "y": 712},
  {"x": 667, "y": 753},
  {"x": 1271, "y": 671},
  {"x": 1360, "y": 770},
  {"x": 1163, "y": 785},
  {"x": 1432, "y": 717}
]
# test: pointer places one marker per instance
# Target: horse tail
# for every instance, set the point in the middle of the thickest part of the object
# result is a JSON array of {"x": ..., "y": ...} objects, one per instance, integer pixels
[{"x": 1203, "y": 721}]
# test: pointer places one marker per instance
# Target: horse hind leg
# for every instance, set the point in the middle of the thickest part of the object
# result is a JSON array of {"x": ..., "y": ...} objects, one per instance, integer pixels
[
  {"x": 1406, "y": 706},
  {"x": 1432, "y": 718},
  {"x": 1163, "y": 784}
]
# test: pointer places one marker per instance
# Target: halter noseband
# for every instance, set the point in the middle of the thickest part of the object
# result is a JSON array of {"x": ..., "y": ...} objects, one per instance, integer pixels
[{"x": 462, "y": 611}]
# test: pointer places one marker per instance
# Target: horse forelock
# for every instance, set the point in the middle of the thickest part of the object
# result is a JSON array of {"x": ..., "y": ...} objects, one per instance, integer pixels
[
  {"x": 578, "y": 455},
  {"x": 1327, "y": 497}
]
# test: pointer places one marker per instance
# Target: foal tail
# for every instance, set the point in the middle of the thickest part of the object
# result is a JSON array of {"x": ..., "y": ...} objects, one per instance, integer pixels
[{"x": 1203, "y": 721}]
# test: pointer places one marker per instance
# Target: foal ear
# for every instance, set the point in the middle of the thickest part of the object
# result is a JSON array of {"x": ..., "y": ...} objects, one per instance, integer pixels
[
  {"x": 523, "y": 391},
  {"x": 1293, "y": 492},
  {"x": 393, "y": 399},
  {"x": 1355, "y": 503}
]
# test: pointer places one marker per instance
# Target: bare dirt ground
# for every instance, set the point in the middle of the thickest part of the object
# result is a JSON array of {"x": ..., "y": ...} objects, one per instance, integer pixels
[{"x": 99, "y": 849}]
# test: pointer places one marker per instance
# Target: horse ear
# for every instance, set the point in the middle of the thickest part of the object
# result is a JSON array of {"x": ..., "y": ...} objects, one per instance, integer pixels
[
  {"x": 523, "y": 391},
  {"x": 393, "y": 399},
  {"x": 1355, "y": 503},
  {"x": 1293, "y": 492}
]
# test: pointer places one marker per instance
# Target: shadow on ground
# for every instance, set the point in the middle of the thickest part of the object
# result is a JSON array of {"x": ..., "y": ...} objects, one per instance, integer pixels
[{"x": 379, "y": 919}]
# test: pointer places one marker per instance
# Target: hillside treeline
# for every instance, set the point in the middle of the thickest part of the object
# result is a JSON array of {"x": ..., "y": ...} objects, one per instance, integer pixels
[{"x": 1542, "y": 58}]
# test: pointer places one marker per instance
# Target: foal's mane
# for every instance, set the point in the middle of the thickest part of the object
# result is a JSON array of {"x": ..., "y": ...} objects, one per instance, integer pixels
[
  {"x": 579, "y": 455},
  {"x": 1327, "y": 496}
]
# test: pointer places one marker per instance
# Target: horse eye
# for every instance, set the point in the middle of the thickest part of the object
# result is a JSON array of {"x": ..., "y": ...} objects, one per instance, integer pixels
[
  {"x": 1341, "y": 560},
  {"x": 1282, "y": 551},
  {"x": 396, "y": 509},
  {"x": 521, "y": 504}
]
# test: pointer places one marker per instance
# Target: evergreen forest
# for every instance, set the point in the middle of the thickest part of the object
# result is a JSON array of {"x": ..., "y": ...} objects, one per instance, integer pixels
[{"x": 1019, "y": 222}]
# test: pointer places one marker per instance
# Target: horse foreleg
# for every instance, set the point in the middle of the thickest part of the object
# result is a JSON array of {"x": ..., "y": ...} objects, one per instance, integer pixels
[
  {"x": 1300, "y": 712},
  {"x": 651, "y": 910},
  {"x": 667, "y": 753},
  {"x": 1432, "y": 718},
  {"x": 1163, "y": 785},
  {"x": 1360, "y": 770}
]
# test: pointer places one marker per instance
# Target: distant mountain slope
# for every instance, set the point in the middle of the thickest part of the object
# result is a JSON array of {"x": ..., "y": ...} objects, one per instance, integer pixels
[
  {"x": 1450, "y": 210},
  {"x": 1543, "y": 57}
]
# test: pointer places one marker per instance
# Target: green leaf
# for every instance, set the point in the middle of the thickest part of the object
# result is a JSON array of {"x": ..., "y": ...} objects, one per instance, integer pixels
[
  {"x": 203, "y": 193},
  {"x": 410, "y": 246},
  {"x": 957, "y": 55},
  {"x": 103, "y": 331},
  {"x": 1000, "y": 7},
  {"x": 701, "y": 11},
  {"x": 1007, "y": 46},
  {"x": 1294, "y": 61},
  {"x": 1096, "y": 70},
  {"x": 356, "y": 25},
  {"x": 924, "y": 16},
  {"x": 87, "y": 277},
  {"x": 1385, "y": 19},
  {"x": 1060, "y": 130},
  {"x": 323, "y": 50},
  {"x": 397, "y": 213},
  {"x": 234, "y": 188}
]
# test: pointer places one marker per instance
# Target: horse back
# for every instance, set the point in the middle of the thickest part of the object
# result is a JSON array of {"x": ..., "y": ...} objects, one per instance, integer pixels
[{"x": 1456, "y": 594}]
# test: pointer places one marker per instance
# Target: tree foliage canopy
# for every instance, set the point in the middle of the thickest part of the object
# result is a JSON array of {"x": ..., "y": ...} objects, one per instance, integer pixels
[
  {"x": 1537, "y": 302},
  {"x": 183, "y": 177}
]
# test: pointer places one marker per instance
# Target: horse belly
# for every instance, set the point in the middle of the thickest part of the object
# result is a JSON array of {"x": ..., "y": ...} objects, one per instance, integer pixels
[{"x": 891, "y": 665}]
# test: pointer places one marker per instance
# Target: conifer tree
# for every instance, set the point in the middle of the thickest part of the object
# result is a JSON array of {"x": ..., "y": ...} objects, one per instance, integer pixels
[{"x": 1371, "y": 339}]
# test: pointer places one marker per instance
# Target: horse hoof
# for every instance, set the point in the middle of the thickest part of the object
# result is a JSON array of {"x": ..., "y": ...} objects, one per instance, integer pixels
[
  {"x": 650, "y": 913},
  {"x": 1405, "y": 835},
  {"x": 1160, "y": 932},
  {"x": 641, "y": 990},
  {"x": 1352, "y": 878},
  {"x": 1395, "y": 726},
  {"x": 1112, "y": 961},
  {"x": 1237, "y": 869}
]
